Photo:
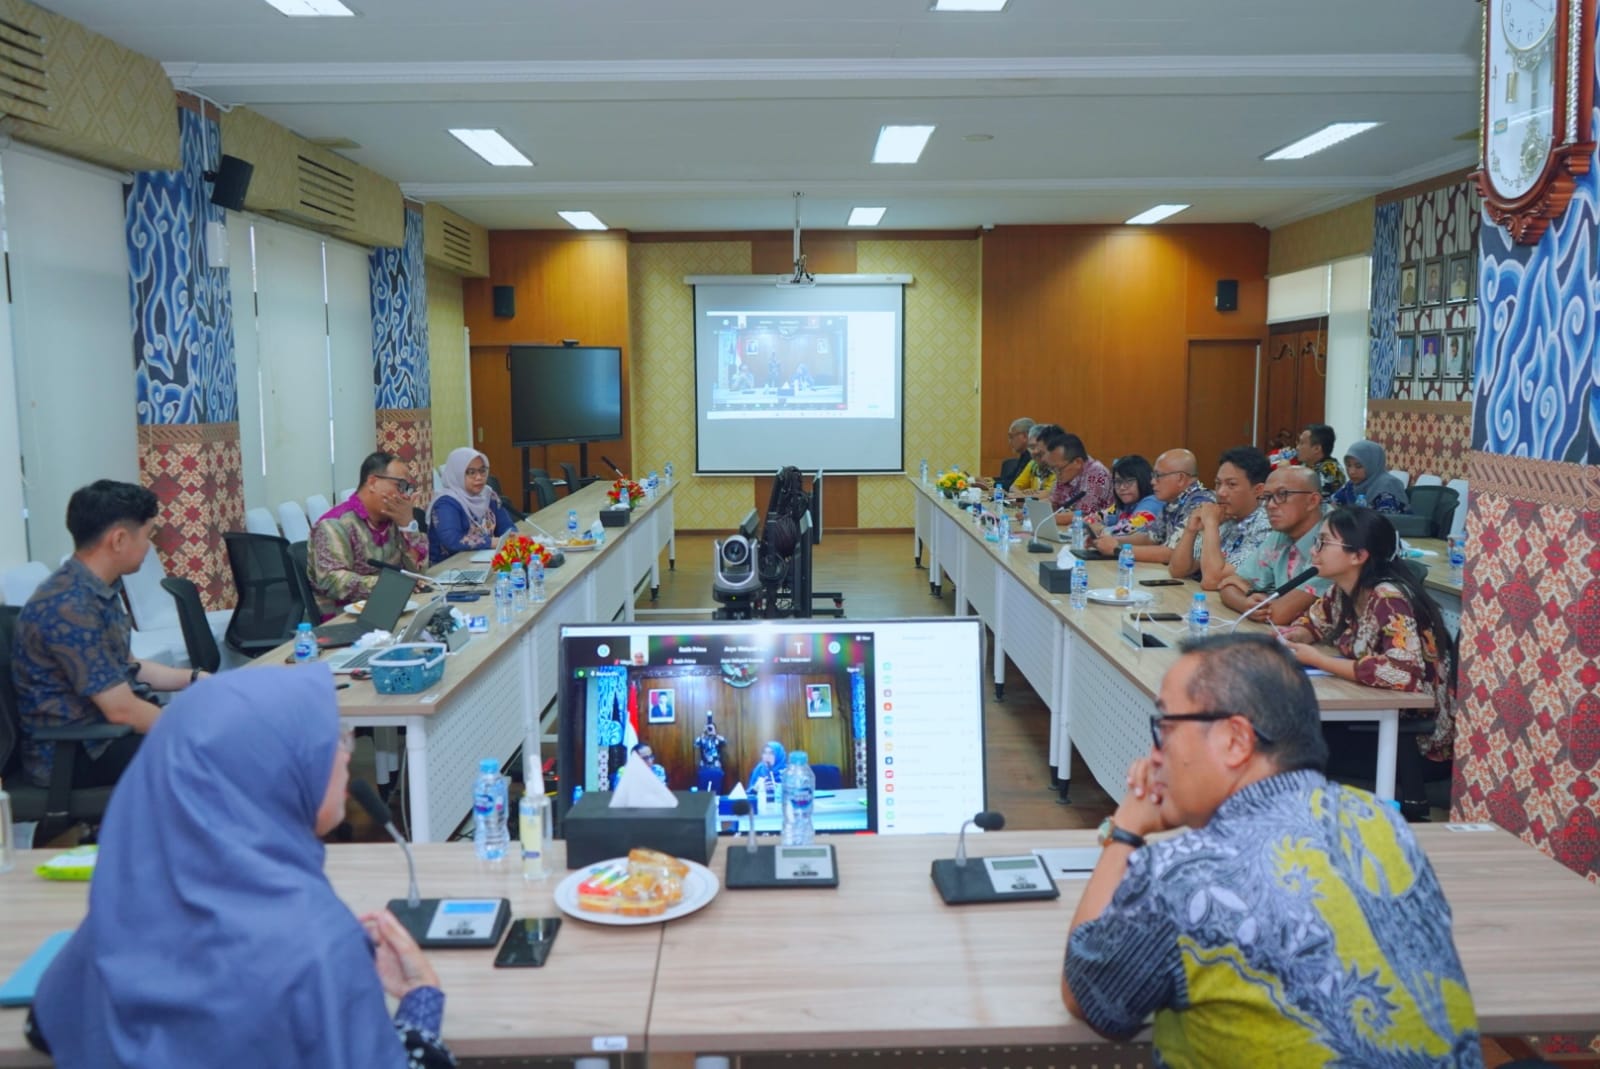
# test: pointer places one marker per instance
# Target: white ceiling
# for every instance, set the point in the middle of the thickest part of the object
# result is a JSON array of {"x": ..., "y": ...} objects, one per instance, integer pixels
[{"x": 709, "y": 114}]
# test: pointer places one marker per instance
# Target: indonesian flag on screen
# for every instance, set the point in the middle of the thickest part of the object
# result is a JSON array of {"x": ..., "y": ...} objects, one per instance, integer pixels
[{"x": 630, "y": 730}]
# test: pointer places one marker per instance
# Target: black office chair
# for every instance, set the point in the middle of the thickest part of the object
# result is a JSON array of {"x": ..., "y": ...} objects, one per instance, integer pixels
[
  {"x": 1433, "y": 512},
  {"x": 56, "y": 807},
  {"x": 198, "y": 640},
  {"x": 828, "y": 777},
  {"x": 544, "y": 490},
  {"x": 574, "y": 483},
  {"x": 421, "y": 516},
  {"x": 494, "y": 484},
  {"x": 298, "y": 557},
  {"x": 270, "y": 603}
]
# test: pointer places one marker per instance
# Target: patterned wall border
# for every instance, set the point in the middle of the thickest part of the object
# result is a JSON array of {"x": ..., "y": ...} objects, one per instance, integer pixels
[
  {"x": 1536, "y": 482},
  {"x": 196, "y": 471},
  {"x": 408, "y": 434},
  {"x": 1421, "y": 437}
]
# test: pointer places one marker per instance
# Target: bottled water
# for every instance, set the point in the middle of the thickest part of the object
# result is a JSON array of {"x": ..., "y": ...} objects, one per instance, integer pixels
[
  {"x": 1125, "y": 567},
  {"x": 999, "y": 496},
  {"x": 519, "y": 589},
  {"x": 577, "y": 792},
  {"x": 598, "y": 532},
  {"x": 1005, "y": 531},
  {"x": 1079, "y": 533},
  {"x": 502, "y": 599},
  {"x": 305, "y": 643},
  {"x": 1199, "y": 615},
  {"x": 489, "y": 834},
  {"x": 668, "y": 471},
  {"x": 924, "y": 473},
  {"x": 538, "y": 580},
  {"x": 622, "y": 494},
  {"x": 534, "y": 830},
  {"x": 1458, "y": 556},
  {"x": 572, "y": 524},
  {"x": 1080, "y": 585},
  {"x": 1361, "y": 501},
  {"x": 799, "y": 788}
]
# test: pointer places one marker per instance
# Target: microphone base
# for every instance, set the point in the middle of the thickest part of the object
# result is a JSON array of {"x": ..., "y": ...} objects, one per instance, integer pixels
[
  {"x": 972, "y": 883},
  {"x": 760, "y": 869},
  {"x": 454, "y": 922},
  {"x": 1036, "y": 546}
]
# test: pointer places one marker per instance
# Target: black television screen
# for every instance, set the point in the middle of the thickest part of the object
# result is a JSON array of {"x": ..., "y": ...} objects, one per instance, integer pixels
[{"x": 565, "y": 394}]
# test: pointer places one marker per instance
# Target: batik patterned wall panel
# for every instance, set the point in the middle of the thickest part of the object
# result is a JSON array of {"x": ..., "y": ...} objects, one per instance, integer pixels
[
  {"x": 1422, "y": 437},
  {"x": 400, "y": 322},
  {"x": 1384, "y": 313},
  {"x": 195, "y": 471},
  {"x": 408, "y": 434}
]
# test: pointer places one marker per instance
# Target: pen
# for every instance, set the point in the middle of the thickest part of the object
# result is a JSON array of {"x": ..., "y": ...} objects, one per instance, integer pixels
[{"x": 341, "y": 686}]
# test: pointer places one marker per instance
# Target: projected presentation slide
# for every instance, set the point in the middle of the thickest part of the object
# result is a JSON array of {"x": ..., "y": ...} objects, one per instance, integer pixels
[{"x": 783, "y": 364}]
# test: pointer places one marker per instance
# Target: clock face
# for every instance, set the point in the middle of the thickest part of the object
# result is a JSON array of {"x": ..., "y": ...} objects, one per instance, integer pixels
[{"x": 1520, "y": 93}]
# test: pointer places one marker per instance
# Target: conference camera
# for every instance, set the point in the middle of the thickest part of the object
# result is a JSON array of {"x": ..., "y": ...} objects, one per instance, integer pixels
[{"x": 734, "y": 565}]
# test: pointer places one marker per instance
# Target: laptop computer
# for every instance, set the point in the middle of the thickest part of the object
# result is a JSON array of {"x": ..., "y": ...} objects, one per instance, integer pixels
[
  {"x": 355, "y": 660},
  {"x": 382, "y": 611},
  {"x": 1046, "y": 529}
]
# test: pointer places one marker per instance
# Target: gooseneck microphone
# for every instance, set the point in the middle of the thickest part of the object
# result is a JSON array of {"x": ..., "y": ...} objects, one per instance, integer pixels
[
  {"x": 366, "y": 796},
  {"x": 988, "y": 820},
  {"x": 741, "y": 809},
  {"x": 1067, "y": 504},
  {"x": 612, "y": 466},
  {"x": 418, "y": 576},
  {"x": 1299, "y": 580}
]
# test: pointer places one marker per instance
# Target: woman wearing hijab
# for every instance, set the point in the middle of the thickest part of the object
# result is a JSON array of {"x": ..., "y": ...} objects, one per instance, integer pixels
[
  {"x": 770, "y": 766},
  {"x": 466, "y": 515},
  {"x": 1371, "y": 481},
  {"x": 213, "y": 937}
]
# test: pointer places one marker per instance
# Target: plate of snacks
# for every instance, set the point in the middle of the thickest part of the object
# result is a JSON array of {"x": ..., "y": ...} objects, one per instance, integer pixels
[
  {"x": 1120, "y": 595},
  {"x": 645, "y": 887},
  {"x": 577, "y": 545}
]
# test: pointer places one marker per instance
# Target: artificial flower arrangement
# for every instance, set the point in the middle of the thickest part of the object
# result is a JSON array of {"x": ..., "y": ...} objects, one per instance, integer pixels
[
  {"x": 953, "y": 482},
  {"x": 519, "y": 549},
  {"x": 635, "y": 492}
]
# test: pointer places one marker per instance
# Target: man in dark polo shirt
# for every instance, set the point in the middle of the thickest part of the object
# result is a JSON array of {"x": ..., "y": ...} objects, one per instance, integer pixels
[{"x": 71, "y": 662}]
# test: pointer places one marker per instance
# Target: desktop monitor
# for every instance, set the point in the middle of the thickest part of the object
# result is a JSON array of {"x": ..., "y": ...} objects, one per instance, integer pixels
[{"x": 889, "y": 713}]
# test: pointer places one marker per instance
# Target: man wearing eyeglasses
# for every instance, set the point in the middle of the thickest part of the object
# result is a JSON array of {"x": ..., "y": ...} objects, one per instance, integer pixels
[
  {"x": 1180, "y": 493},
  {"x": 1297, "y": 923},
  {"x": 1293, "y": 501},
  {"x": 375, "y": 523}
]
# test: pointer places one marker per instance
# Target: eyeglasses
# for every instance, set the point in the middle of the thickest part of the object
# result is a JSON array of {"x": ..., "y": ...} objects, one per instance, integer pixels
[
  {"x": 1281, "y": 497},
  {"x": 477, "y": 471},
  {"x": 1164, "y": 474},
  {"x": 405, "y": 486},
  {"x": 1157, "y": 719},
  {"x": 1324, "y": 542},
  {"x": 1120, "y": 481}
]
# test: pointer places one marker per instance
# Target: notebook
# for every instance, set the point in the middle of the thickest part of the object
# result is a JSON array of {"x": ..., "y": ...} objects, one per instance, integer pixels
[{"x": 19, "y": 989}]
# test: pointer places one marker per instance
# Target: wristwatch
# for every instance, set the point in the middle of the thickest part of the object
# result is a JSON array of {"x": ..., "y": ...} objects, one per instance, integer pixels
[{"x": 1109, "y": 833}]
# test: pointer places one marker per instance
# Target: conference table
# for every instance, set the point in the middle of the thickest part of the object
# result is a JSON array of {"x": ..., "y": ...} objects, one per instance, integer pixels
[
  {"x": 495, "y": 687},
  {"x": 1445, "y": 590},
  {"x": 1100, "y": 687},
  {"x": 878, "y": 964}
]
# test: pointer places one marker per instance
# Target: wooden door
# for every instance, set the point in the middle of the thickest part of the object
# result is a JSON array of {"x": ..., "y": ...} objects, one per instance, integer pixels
[
  {"x": 1221, "y": 400},
  {"x": 1279, "y": 380},
  {"x": 1312, "y": 385},
  {"x": 491, "y": 418}
]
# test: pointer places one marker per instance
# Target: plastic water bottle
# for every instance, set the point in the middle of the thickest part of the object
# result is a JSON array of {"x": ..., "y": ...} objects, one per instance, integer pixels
[
  {"x": 653, "y": 484},
  {"x": 519, "y": 588},
  {"x": 538, "y": 580},
  {"x": 597, "y": 531},
  {"x": 502, "y": 599},
  {"x": 622, "y": 494},
  {"x": 924, "y": 473},
  {"x": 489, "y": 836},
  {"x": 1125, "y": 567},
  {"x": 668, "y": 471},
  {"x": 1361, "y": 501},
  {"x": 799, "y": 788},
  {"x": 572, "y": 524},
  {"x": 1005, "y": 530},
  {"x": 534, "y": 830},
  {"x": 999, "y": 496},
  {"x": 1458, "y": 556},
  {"x": 1078, "y": 533},
  {"x": 305, "y": 643},
  {"x": 1080, "y": 585},
  {"x": 577, "y": 792},
  {"x": 1199, "y": 615},
  {"x": 8, "y": 848}
]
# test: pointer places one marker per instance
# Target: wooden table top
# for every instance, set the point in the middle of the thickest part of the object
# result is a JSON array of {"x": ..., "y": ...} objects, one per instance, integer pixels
[{"x": 1438, "y": 565}]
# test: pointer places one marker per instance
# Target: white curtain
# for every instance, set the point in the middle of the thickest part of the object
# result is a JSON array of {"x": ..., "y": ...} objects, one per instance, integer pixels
[
  {"x": 355, "y": 429},
  {"x": 247, "y": 362},
  {"x": 71, "y": 333}
]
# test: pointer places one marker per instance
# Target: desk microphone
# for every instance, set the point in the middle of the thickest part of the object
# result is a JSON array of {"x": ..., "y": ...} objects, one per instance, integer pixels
[
  {"x": 990, "y": 879},
  {"x": 428, "y": 579},
  {"x": 741, "y": 808},
  {"x": 612, "y": 466},
  {"x": 366, "y": 796},
  {"x": 1069, "y": 502},
  {"x": 988, "y": 820},
  {"x": 1299, "y": 580}
]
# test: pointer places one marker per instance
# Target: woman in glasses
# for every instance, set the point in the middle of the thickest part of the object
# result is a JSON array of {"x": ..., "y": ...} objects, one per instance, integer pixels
[
  {"x": 1133, "y": 484},
  {"x": 466, "y": 514},
  {"x": 213, "y": 936},
  {"x": 1384, "y": 629}
]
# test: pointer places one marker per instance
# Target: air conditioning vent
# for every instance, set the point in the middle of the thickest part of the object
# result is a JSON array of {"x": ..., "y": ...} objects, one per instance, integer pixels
[
  {"x": 24, "y": 83},
  {"x": 456, "y": 244},
  {"x": 324, "y": 194}
]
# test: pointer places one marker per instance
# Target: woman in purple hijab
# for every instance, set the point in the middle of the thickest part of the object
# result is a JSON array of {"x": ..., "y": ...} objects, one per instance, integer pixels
[{"x": 213, "y": 937}]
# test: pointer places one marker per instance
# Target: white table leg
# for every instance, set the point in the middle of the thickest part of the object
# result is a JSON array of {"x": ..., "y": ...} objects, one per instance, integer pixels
[
  {"x": 417, "y": 764},
  {"x": 1388, "y": 752}
]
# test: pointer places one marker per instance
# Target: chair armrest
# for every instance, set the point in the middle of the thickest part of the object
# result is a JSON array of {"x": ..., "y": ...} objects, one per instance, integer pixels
[
  {"x": 81, "y": 732},
  {"x": 1413, "y": 526}
]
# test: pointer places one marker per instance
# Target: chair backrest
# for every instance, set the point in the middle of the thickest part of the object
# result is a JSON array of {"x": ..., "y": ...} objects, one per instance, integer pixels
[
  {"x": 545, "y": 491},
  {"x": 316, "y": 505},
  {"x": 19, "y": 583},
  {"x": 1401, "y": 474},
  {"x": 1458, "y": 523},
  {"x": 292, "y": 521},
  {"x": 260, "y": 521},
  {"x": 151, "y": 607},
  {"x": 270, "y": 603},
  {"x": 1436, "y": 505},
  {"x": 298, "y": 555},
  {"x": 1428, "y": 480},
  {"x": 10, "y": 712},
  {"x": 575, "y": 482},
  {"x": 344, "y": 495},
  {"x": 421, "y": 518},
  {"x": 198, "y": 640},
  {"x": 828, "y": 777}
]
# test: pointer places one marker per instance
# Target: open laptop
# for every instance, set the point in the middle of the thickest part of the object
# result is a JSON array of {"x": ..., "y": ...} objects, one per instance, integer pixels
[
  {"x": 1046, "y": 529},
  {"x": 382, "y": 611},
  {"x": 355, "y": 660}
]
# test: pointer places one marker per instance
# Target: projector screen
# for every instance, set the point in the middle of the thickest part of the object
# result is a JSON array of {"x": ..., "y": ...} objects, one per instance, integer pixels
[{"x": 811, "y": 376}]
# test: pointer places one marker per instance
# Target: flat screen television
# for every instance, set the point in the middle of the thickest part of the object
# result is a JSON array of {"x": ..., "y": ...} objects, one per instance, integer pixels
[
  {"x": 889, "y": 713},
  {"x": 565, "y": 394}
]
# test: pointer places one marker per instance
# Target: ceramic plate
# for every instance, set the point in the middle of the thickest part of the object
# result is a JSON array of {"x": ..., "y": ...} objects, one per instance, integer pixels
[
  {"x": 356, "y": 608},
  {"x": 1107, "y": 595},
  {"x": 576, "y": 547},
  {"x": 699, "y": 888}
]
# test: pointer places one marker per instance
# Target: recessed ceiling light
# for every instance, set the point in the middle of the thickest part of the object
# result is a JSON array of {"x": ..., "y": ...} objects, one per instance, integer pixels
[
  {"x": 583, "y": 220},
  {"x": 969, "y": 5},
  {"x": 493, "y": 147},
  {"x": 312, "y": 9},
  {"x": 901, "y": 144},
  {"x": 866, "y": 216},
  {"x": 1156, "y": 214},
  {"x": 1326, "y": 137}
]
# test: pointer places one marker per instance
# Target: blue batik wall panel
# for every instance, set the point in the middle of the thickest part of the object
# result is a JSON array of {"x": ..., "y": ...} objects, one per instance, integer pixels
[
  {"x": 182, "y": 310},
  {"x": 400, "y": 322},
  {"x": 1385, "y": 299}
]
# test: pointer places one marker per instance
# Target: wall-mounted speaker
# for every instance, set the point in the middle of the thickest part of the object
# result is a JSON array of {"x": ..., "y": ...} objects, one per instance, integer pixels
[
  {"x": 505, "y": 302},
  {"x": 230, "y": 181},
  {"x": 1227, "y": 295}
]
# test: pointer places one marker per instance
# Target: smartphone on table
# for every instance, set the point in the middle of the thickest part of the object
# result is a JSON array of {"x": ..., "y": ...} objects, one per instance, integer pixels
[{"x": 528, "y": 942}]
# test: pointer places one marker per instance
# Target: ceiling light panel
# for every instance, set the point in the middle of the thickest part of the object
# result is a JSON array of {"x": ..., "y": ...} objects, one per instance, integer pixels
[
  {"x": 1324, "y": 138},
  {"x": 493, "y": 147},
  {"x": 583, "y": 220},
  {"x": 866, "y": 216},
  {"x": 969, "y": 5},
  {"x": 1156, "y": 214},
  {"x": 901, "y": 144},
  {"x": 312, "y": 9}
]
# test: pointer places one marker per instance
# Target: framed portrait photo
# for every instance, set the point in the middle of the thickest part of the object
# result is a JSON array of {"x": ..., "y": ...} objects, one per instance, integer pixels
[
  {"x": 1432, "y": 282},
  {"x": 1405, "y": 357},
  {"x": 1408, "y": 284},
  {"x": 1457, "y": 354},
  {"x": 1458, "y": 278},
  {"x": 663, "y": 707},
  {"x": 819, "y": 700},
  {"x": 1428, "y": 354}
]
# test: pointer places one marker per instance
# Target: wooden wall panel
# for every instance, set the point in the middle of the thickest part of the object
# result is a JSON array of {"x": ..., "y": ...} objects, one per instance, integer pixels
[{"x": 567, "y": 286}]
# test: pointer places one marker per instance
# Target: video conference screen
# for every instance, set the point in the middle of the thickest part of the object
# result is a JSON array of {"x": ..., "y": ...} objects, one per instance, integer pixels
[{"x": 889, "y": 714}]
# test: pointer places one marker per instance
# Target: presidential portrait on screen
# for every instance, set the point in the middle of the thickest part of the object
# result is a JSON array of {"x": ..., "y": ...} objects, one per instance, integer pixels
[
  {"x": 661, "y": 707},
  {"x": 819, "y": 700}
]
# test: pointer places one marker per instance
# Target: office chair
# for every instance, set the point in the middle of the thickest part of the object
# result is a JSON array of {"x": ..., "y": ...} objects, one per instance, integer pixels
[
  {"x": 293, "y": 522},
  {"x": 828, "y": 777},
  {"x": 494, "y": 484},
  {"x": 260, "y": 521},
  {"x": 1433, "y": 511},
  {"x": 270, "y": 602},
  {"x": 197, "y": 636},
  {"x": 421, "y": 516},
  {"x": 544, "y": 490},
  {"x": 574, "y": 482},
  {"x": 56, "y": 807},
  {"x": 299, "y": 557}
]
